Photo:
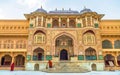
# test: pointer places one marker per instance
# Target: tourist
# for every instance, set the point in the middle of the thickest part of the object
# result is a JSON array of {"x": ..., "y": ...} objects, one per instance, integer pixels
[
  {"x": 12, "y": 67},
  {"x": 50, "y": 64}
]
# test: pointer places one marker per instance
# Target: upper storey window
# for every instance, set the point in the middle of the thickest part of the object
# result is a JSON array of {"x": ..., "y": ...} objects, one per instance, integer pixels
[
  {"x": 88, "y": 21},
  {"x": 20, "y": 44},
  {"x": 106, "y": 44},
  {"x": 39, "y": 37},
  {"x": 89, "y": 38},
  {"x": 64, "y": 23},
  {"x": 84, "y": 22},
  {"x": 72, "y": 24},
  {"x": 117, "y": 44},
  {"x": 39, "y": 21},
  {"x": 55, "y": 23},
  {"x": 8, "y": 44}
]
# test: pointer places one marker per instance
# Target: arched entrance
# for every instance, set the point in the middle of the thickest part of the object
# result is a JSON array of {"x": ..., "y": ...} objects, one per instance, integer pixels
[
  {"x": 64, "y": 42},
  {"x": 38, "y": 54},
  {"x": 93, "y": 66},
  {"x": 63, "y": 55},
  {"x": 118, "y": 60},
  {"x": 6, "y": 60},
  {"x": 90, "y": 54},
  {"x": 19, "y": 60},
  {"x": 109, "y": 60},
  {"x": 36, "y": 67}
]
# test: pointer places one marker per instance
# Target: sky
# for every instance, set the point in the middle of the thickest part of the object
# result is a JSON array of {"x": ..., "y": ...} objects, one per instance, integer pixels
[{"x": 15, "y": 9}]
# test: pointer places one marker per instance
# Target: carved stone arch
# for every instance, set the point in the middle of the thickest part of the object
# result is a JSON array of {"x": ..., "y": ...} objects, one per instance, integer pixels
[
  {"x": 38, "y": 54},
  {"x": 90, "y": 54},
  {"x": 6, "y": 60},
  {"x": 89, "y": 37},
  {"x": 39, "y": 31},
  {"x": 19, "y": 54},
  {"x": 91, "y": 30},
  {"x": 109, "y": 60},
  {"x": 39, "y": 36},
  {"x": 6, "y": 54},
  {"x": 66, "y": 34},
  {"x": 19, "y": 60}
]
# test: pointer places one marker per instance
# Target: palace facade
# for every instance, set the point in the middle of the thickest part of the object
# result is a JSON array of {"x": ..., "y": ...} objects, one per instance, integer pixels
[{"x": 63, "y": 36}]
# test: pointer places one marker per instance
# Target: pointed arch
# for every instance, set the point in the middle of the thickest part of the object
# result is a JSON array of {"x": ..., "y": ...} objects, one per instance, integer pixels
[
  {"x": 6, "y": 60},
  {"x": 90, "y": 54},
  {"x": 118, "y": 60},
  {"x": 19, "y": 60},
  {"x": 39, "y": 37},
  {"x": 68, "y": 41},
  {"x": 38, "y": 54},
  {"x": 109, "y": 60}
]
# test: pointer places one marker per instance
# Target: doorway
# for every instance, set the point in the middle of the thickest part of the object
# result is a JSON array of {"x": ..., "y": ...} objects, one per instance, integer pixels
[
  {"x": 39, "y": 56},
  {"x": 63, "y": 55},
  {"x": 93, "y": 67},
  {"x": 36, "y": 67}
]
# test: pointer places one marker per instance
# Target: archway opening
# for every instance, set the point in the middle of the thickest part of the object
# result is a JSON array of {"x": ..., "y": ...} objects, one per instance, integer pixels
[
  {"x": 93, "y": 66},
  {"x": 118, "y": 60},
  {"x": 36, "y": 67},
  {"x": 90, "y": 54},
  {"x": 63, "y": 55},
  {"x": 6, "y": 60},
  {"x": 19, "y": 60},
  {"x": 109, "y": 60},
  {"x": 38, "y": 54},
  {"x": 64, "y": 42}
]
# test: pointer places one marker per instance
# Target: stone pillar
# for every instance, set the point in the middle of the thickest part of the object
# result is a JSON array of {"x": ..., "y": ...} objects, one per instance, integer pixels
[
  {"x": 59, "y": 22},
  {"x": 42, "y": 21},
  {"x": 68, "y": 22},
  {"x": 76, "y": 22},
  {"x": 13, "y": 57},
  {"x": 0, "y": 60},
  {"x": 51, "y": 20},
  {"x": 116, "y": 61},
  {"x": 112, "y": 44},
  {"x": 36, "y": 21},
  {"x": 86, "y": 21},
  {"x": 14, "y": 44},
  {"x": 91, "y": 21},
  {"x": 81, "y": 22}
]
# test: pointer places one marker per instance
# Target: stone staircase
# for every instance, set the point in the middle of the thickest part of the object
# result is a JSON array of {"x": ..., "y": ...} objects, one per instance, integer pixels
[{"x": 63, "y": 67}]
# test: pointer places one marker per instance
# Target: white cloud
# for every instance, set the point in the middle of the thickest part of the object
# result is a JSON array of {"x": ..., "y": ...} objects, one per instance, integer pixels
[{"x": 32, "y": 3}]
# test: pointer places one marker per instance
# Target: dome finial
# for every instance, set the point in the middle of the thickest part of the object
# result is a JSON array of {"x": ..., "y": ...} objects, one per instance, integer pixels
[
  {"x": 69, "y": 9},
  {"x": 84, "y": 7},
  {"x": 62, "y": 9},
  {"x": 41, "y": 6},
  {"x": 56, "y": 9}
]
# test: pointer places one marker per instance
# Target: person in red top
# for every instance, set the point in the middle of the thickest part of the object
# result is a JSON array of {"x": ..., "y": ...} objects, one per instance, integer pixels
[
  {"x": 12, "y": 67},
  {"x": 50, "y": 63}
]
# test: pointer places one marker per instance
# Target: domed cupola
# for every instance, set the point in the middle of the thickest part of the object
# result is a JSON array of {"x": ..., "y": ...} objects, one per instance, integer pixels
[
  {"x": 41, "y": 10},
  {"x": 85, "y": 10}
]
